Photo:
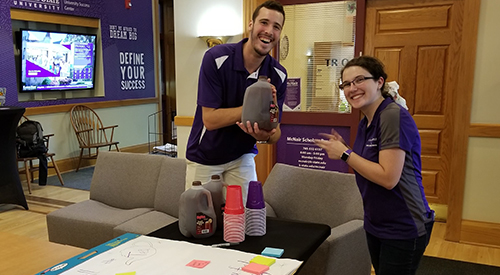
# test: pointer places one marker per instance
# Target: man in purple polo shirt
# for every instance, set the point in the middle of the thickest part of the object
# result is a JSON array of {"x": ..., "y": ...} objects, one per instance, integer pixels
[{"x": 219, "y": 143}]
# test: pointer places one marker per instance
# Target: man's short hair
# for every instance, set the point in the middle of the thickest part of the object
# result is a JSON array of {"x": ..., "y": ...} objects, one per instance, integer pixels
[{"x": 271, "y": 5}]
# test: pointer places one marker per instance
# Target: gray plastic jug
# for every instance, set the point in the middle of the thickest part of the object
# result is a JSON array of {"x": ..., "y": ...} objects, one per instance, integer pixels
[
  {"x": 258, "y": 105},
  {"x": 196, "y": 212},
  {"x": 216, "y": 188}
]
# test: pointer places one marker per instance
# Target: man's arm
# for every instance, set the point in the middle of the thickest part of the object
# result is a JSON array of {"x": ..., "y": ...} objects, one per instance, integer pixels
[{"x": 218, "y": 118}]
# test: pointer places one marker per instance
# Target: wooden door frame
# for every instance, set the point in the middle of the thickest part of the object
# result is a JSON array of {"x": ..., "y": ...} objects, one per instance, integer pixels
[{"x": 461, "y": 119}]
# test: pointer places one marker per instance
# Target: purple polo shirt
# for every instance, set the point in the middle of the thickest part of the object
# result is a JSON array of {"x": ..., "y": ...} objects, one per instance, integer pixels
[
  {"x": 402, "y": 212},
  {"x": 222, "y": 84}
]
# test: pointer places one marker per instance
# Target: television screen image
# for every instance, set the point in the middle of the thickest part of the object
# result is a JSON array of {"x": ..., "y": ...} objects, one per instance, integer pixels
[{"x": 57, "y": 61}]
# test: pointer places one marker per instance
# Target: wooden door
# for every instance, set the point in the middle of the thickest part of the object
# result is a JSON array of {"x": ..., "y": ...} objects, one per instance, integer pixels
[{"x": 420, "y": 44}]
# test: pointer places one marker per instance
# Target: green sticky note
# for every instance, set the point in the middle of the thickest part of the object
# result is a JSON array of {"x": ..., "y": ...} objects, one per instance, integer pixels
[
  {"x": 126, "y": 273},
  {"x": 263, "y": 260}
]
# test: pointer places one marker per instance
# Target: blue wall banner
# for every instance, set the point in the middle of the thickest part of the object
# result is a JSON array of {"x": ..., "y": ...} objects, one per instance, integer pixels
[{"x": 127, "y": 41}]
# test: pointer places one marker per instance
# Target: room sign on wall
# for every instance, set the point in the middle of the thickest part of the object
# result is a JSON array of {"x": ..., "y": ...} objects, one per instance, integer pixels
[{"x": 296, "y": 147}]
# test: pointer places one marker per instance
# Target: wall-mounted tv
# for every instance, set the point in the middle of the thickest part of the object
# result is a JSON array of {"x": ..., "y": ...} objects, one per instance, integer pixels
[{"x": 57, "y": 61}]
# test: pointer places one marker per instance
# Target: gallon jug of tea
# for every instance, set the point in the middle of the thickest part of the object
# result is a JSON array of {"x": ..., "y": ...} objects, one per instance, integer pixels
[
  {"x": 216, "y": 188},
  {"x": 258, "y": 105},
  {"x": 196, "y": 212}
]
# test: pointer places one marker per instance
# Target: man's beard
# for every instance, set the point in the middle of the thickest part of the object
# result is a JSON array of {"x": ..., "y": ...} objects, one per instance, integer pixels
[
  {"x": 256, "y": 40},
  {"x": 260, "y": 52}
]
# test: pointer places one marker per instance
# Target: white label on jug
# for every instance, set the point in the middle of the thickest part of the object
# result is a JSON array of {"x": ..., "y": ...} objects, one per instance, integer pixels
[{"x": 204, "y": 224}]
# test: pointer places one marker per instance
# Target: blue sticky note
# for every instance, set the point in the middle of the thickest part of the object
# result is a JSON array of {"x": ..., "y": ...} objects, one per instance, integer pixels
[{"x": 272, "y": 252}]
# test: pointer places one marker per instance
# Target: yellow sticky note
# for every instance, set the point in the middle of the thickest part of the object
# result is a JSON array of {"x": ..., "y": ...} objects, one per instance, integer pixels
[
  {"x": 263, "y": 260},
  {"x": 126, "y": 273}
]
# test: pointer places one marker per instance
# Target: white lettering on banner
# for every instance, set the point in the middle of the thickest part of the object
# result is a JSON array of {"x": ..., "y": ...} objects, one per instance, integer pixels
[
  {"x": 118, "y": 34},
  {"x": 68, "y": 4},
  {"x": 311, "y": 156},
  {"x": 39, "y": 4},
  {"x": 122, "y": 32},
  {"x": 132, "y": 71}
]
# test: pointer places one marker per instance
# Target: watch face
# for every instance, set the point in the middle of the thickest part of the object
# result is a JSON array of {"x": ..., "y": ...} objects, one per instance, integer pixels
[
  {"x": 344, "y": 156},
  {"x": 284, "y": 46}
]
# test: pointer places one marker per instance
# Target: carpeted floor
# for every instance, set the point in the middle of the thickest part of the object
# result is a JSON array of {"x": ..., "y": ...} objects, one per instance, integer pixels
[
  {"x": 439, "y": 266},
  {"x": 76, "y": 180}
]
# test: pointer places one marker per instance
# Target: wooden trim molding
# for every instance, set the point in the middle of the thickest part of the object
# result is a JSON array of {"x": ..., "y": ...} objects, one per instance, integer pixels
[
  {"x": 482, "y": 233},
  {"x": 94, "y": 105},
  {"x": 484, "y": 130},
  {"x": 54, "y": 18},
  {"x": 183, "y": 120},
  {"x": 460, "y": 139}
]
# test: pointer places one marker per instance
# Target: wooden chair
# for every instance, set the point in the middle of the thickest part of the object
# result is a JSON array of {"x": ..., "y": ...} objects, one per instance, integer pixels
[
  {"x": 90, "y": 132},
  {"x": 28, "y": 168}
]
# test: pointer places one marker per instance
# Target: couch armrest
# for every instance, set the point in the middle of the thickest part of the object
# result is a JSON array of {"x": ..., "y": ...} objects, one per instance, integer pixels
[
  {"x": 270, "y": 211},
  {"x": 348, "y": 252}
]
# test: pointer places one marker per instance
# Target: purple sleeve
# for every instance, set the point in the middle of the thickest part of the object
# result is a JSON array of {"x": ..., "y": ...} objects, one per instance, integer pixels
[{"x": 209, "y": 86}]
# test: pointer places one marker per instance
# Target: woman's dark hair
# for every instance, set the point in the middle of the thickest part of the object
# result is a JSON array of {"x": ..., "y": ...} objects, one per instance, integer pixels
[
  {"x": 270, "y": 5},
  {"x": 374, "y": 66}
]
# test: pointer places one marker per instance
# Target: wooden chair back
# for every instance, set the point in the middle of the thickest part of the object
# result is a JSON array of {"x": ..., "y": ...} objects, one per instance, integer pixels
[{"x": 88, "y": 127}]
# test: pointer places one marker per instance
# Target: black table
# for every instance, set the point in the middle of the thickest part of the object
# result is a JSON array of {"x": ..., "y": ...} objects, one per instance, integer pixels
[
  {"x": 298, "y": 239},
  {"x": 11, "y": 190}
]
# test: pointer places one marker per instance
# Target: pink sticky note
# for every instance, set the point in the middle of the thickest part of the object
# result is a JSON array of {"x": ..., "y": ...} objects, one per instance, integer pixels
[
  {"x": 255, "y": 268},
  {"x": 198, "y": 263}
]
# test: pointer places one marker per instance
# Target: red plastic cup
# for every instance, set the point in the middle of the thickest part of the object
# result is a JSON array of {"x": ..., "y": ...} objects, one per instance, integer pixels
[{"x": 234, "y": 200}]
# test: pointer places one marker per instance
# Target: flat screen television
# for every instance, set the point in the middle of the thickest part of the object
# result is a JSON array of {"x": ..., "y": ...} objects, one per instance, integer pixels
[{"x": 56, "y": 61}]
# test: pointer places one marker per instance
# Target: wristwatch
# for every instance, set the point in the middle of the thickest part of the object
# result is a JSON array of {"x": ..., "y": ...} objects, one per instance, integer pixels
[
  {"x": 346, "y": 154},
  {"x": 263, "y": 141}
]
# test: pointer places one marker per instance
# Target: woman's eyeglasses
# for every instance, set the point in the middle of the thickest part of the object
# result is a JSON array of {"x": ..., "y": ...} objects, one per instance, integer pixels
[{"x": 357, "y": 81}]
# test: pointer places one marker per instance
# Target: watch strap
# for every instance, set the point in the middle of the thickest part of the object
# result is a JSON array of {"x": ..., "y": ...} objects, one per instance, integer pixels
[{"x": 345, "y": 155}]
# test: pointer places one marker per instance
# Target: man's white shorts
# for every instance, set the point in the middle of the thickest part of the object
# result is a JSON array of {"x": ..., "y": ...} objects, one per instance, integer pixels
[{"x": 239, "y": 171}]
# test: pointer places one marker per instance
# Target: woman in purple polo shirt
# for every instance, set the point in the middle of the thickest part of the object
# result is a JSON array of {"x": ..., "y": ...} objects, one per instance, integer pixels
[{"x": 386, "y": 160}]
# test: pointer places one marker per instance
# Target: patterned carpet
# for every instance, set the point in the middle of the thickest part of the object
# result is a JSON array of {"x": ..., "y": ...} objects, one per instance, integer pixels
[{"x": 76, "y": 180}]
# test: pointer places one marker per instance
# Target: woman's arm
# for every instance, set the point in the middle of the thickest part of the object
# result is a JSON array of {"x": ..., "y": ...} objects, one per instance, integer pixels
[{"x": 386, "y": 172}]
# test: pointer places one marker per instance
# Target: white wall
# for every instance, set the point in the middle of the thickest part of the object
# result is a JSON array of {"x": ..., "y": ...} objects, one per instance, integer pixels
[
  {"x": 132, "y": 128},
  {"x": 189, "y": 50},
  {"x": 482, "y": 179}
]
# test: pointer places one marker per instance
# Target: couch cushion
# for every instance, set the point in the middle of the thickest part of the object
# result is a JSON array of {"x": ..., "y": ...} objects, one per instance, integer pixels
[
  {"x": 72, "y": 224},
  {"x": 125, "y": 180},
  {"x": 171, "y": 184},
  {"x": 144, "y": 224}
]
